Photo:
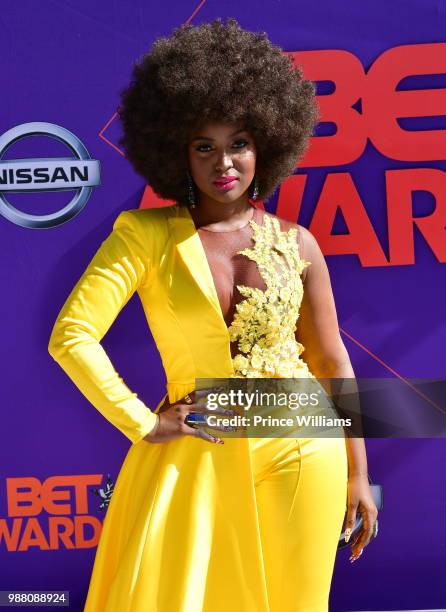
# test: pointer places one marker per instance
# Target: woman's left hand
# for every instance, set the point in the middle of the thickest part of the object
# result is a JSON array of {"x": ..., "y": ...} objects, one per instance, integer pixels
[{"x": 360, "y": 499}]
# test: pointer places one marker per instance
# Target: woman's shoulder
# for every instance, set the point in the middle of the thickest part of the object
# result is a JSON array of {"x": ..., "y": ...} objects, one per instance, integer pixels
[
  {"x": 305, "y": 238},
  {"x": 285, "y": 224},
  {"x": 145, "y": 219}
]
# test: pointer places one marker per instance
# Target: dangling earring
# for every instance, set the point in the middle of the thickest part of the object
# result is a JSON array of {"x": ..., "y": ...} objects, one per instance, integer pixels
[
  {"x": 255, "y": 191},
  {"x": 191, "y": 192}
]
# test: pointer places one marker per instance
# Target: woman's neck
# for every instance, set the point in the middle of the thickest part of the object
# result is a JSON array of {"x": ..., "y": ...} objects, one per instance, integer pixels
[{"x": 221, "y": 216}]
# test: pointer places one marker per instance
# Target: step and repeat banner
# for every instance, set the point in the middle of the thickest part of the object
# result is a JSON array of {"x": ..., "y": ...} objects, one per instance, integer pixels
[{"x": 371, "y": 188}]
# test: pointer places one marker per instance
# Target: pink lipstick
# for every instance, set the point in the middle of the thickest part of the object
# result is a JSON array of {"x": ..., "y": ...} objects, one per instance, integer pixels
[{"x": 225, "y": 183}]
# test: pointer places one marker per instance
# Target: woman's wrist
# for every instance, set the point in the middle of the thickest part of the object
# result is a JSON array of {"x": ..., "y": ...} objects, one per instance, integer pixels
[
  {"x": 154, "y": 429},
  {"x": 358, "y": 474}
]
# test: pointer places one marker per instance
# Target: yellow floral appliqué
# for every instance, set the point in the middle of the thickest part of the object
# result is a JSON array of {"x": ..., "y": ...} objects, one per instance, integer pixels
[{"x": 264, "y": 324}]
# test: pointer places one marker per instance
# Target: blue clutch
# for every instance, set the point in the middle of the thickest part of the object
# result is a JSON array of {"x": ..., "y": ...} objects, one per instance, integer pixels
[{"x": 377, "y": 492}]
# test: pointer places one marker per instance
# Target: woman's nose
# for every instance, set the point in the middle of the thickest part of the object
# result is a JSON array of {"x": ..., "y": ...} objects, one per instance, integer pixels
[{"x": 224, "y": 161}]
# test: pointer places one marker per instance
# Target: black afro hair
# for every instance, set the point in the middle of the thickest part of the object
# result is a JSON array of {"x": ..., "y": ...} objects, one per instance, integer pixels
[{"x": 178, "y": 86}]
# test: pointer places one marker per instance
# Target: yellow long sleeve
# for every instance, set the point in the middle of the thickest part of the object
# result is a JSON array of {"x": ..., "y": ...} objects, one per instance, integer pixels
[{"x": 121, "y": 264}]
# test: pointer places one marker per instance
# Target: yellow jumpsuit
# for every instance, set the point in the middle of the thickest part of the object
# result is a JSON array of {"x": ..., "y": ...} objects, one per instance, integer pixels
[{"x": 248, "y": 526}]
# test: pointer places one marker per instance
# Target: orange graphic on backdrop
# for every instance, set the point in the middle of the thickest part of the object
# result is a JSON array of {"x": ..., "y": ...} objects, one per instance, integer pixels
[{"x": 51, "y": 514}]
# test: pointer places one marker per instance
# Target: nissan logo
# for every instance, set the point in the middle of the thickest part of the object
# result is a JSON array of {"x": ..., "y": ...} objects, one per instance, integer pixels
[{"x": 79, "y": 173}]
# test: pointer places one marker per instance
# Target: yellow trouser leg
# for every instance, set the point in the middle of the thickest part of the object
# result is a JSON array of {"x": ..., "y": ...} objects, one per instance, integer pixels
[{"x": 301, "y": 491}]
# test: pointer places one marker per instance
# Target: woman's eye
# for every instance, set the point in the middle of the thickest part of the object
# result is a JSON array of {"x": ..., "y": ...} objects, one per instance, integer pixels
[
  {"x": 200, "y": 148},
  {"x": 204, "y": 148},
  {"x": 245, "y": 142}
]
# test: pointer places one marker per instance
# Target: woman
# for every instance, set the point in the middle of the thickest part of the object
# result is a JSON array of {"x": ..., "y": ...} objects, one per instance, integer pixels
[{"x": 215, "y": 118}]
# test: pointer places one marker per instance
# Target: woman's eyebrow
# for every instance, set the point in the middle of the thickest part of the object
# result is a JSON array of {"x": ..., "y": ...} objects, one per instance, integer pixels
[{"x": 207, "y": 137}]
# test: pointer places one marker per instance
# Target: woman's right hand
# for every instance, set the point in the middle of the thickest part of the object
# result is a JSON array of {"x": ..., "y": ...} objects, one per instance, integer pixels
[{"x": 171, "y": 423}]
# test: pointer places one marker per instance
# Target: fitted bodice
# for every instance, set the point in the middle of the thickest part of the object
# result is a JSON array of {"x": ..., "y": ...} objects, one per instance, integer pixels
[
  {"x": 256, "y": 271},
  {"x": 229, "y": 268}
]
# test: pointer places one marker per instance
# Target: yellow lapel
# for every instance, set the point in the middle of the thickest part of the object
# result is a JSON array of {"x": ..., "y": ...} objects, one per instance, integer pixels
[{"x": 192, "y": 253}]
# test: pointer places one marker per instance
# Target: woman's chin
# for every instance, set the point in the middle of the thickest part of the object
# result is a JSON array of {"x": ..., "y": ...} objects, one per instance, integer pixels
[{"x": 224, "y": 196}]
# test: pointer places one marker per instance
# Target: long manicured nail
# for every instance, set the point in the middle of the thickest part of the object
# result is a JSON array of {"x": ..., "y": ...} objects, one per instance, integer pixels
[{"x": 355, "y": 556}]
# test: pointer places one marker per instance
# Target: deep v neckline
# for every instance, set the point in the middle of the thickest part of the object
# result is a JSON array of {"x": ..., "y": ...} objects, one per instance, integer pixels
[{"x": 255, "y": 218}]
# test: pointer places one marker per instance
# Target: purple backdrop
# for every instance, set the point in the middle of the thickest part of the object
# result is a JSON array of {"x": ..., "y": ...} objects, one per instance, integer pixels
[{"x": 64, "y": 62}]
